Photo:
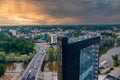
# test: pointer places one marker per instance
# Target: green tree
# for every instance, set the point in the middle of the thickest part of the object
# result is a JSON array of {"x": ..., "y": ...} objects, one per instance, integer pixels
[
  {"x": 115, "y": 57},
  {"x": 17, "y": 45},
  {"x": 7, "y": 47},
  {"x": 51, "y": 53},
  {"x": 11, "y": 56},
  {"x": 2, "y": 56},
  {"x": 25, "y": 50},
  {"x": 2, "y": 70}
]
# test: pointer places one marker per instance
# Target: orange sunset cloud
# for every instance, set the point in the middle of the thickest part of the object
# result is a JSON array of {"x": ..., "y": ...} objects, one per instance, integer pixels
[{"x": 26, "y": 12}]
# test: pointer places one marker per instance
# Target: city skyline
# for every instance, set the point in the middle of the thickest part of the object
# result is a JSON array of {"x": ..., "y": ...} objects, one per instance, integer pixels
[{"x": 59, "y": 12}]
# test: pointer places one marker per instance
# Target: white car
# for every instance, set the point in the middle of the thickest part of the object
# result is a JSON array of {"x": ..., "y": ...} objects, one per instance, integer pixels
[
  {"x": 30, "y": 71},
  {"x": 34, "y": 67}
]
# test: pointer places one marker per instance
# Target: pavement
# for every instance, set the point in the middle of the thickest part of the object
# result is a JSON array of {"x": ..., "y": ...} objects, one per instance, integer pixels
[
  {"x": 18, "y": 68},
  {"x": 115, "y": 72},
  {"x": 49, "y": 75},
  {"x": 101, "y": 77},
  {"x": 108, "y": 56}
]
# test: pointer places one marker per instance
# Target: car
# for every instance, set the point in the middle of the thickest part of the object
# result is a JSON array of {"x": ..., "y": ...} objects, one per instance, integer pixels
[
  {"x": 30, "y": 71},
  {"x": 34, "y": 67}
]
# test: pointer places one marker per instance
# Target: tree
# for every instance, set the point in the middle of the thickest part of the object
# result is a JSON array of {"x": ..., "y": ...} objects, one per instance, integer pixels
[
  {"x": 115, "y": 57},
  {"x": 2, "y": 70},
  {"x": 17, "y": 45},
  {"x": 51, "y": 53},
  {"x": 25, "y": 50},
  {"x": 2, "y": 56},
  {"x": 7, "y": 47}
]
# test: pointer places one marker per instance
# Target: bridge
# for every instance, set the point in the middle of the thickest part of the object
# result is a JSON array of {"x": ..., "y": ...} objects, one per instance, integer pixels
[{"x": 35, "y": 65}]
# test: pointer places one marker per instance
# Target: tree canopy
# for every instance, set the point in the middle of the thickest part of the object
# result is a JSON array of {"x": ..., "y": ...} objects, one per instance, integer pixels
[
  {"x": 10, "y": 44},
  {"x": 51, "y": 53}
]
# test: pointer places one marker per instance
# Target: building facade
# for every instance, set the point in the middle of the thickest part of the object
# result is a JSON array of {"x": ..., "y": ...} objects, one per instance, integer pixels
[
  {"x": 78, "y": 60},
  {"x": 43, "y": 36},
  {"x": 53, "y": 38}
]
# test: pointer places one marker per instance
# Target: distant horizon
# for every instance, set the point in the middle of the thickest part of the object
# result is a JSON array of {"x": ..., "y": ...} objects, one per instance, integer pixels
[{"x": 58, "y": 24}]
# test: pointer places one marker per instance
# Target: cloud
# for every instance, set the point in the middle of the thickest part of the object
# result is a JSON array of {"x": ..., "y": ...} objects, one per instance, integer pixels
[{"x": 59, "y": 11}]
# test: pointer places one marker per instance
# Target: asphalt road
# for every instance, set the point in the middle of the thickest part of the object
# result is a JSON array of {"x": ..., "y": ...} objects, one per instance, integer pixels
[
  {"x": 108, "y": 56},
  {"x": 35, "y": 64}
]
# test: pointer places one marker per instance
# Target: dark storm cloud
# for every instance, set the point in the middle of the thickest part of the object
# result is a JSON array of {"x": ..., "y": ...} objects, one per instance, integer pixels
[{"x": 99, "y": 11}]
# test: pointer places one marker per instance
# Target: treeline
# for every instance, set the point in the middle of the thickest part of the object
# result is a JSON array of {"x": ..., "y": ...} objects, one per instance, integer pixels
[
  {"x": 107, "y": 43},
  {"x": 9, "y": 44},
  {"x": 92, "y": 27},
  {"x": 106, "y": 34}
]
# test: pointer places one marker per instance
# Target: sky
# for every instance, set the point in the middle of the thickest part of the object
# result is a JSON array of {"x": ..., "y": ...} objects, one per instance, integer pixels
[{"x": 59, "y": 11}]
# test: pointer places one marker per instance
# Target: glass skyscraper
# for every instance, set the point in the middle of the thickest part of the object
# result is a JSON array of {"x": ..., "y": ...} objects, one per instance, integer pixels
[{"x": 78, "y": 60}]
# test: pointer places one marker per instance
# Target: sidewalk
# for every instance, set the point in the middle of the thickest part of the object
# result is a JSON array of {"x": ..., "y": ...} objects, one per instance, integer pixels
[{"x": 49, "y": 76}]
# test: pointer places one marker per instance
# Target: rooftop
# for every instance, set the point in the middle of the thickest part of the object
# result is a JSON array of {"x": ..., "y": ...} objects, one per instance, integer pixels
[{"x": 72, "y": 40}]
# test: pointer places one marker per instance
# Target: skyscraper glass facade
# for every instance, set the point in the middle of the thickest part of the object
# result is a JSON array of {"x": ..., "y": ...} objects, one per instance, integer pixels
[
  {"x": 89, "y": 62},
  {"x": 78, "y": 60}
]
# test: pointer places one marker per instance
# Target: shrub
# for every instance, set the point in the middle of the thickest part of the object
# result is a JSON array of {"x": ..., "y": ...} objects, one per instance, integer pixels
[
  {"x": 2, "y": 70},
  {"x": 108, "y": 71},
  {"x": 111, "y": 68},
  {"x": 115, "y": 57},
  {"x": 115, "y": 64}
]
